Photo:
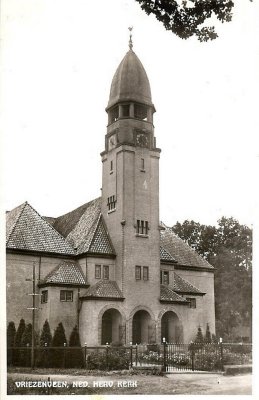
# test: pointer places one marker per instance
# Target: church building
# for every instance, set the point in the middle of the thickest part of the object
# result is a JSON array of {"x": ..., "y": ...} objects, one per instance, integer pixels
[{"x": 111, "y": 267}]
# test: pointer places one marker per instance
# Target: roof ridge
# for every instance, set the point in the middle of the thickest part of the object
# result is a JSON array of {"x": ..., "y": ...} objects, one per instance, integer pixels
[{"x": 23, "y": 205}]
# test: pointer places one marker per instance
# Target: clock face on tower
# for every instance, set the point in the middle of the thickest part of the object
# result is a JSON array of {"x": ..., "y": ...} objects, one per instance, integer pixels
[
  {"x": 112, "y": 142},
  {"x": 141, "y": 140}
]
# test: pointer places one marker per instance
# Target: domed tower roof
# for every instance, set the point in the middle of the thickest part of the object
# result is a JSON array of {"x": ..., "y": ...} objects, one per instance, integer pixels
[{"x": 130, "y": 82}]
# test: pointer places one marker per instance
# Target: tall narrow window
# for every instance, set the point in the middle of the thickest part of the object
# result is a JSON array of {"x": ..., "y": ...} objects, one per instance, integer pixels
[
  {"x": 106, "y": 272},
  {"x": 145, "y": 273},
  {"x": 142, "y": 227},
  {"x": 44, "y": 296},
  {"x": 142, "y": 164},
  {"x": 111, "y": 166},
  {"x": 165, "y": 277},
  {"x": 138, "y": 272},
  {"x": 98, "y": 272},
  {"x": 111, "y": 202}
]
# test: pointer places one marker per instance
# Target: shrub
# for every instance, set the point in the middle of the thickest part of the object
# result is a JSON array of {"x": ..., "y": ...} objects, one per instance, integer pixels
[
  {"x": 75, "y": 356},
  {"x": 11, "y": 331},
  {"x": 57, "y": 357},
  {"x": 45, "y": 337},
  {"x": 17, "y": 342},
  {"x": 108, "y": 360}
]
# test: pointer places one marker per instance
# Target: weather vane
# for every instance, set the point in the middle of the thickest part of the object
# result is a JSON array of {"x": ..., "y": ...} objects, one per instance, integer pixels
[{"x": 130, "y": 40}]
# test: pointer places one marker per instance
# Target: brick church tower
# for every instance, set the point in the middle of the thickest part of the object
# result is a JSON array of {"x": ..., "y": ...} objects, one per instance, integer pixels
[{"x": 130, "y": 191}]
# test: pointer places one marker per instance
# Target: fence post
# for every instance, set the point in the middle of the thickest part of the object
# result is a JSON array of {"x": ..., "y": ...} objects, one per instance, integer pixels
[
  {"x": 192, "y": 355},
  {"x": 85, "y": 353},
  {"x": 107, "y": 355},
  {"x": 136, "y": 354},
  {"x": 221, "y": 354},
  {"x": 164, "y": 343},
  {"x": 64, "y": 358},
  {"x": 131, "y": 358}
]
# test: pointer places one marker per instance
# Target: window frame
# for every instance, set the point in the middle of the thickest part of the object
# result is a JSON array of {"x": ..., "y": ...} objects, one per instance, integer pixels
[
  {"x": 98, "y": 271},
  {"x": 66, "y": 298},
  {"x": 111, "y": 203},
  {"x": 44, "y": 296},
  {"x": 142, "y": 227},
  {"x": 192, "y": 302},
  {"x": 145, "y": 273},
  {"x": 163, "y": 280},
  {"x": 138, "y": 272},
  {"x": 106, "y": 272}
]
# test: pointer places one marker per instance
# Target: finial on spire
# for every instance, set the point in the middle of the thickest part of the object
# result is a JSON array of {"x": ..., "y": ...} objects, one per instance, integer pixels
[{"x": 130, "y": 39}]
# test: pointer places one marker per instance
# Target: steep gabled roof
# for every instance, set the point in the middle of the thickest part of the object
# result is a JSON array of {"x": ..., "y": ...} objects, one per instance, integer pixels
[
  {"x": 181, "y": 251},
  {"x": 27, "y": 230},
  {"x": 88, "y": 213},
  {"x": 182, "y": 286},
  {"x": 166, "y": 256},
  {"x": 85, "y": 230},
  {"x": 104, "y": 289},
  {"x": 167, "y": 294},
  {"x": 67, "y": 273}
]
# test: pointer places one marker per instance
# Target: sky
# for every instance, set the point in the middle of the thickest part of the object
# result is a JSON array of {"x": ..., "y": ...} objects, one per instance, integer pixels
[{"x": 58, "y": 60}]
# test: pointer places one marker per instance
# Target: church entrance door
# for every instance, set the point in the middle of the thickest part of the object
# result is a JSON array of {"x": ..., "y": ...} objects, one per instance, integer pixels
[
  {"x": 171, "y": 328},
  {"x": 112, "y": 327},
  {"x": 141, "y": 327}
]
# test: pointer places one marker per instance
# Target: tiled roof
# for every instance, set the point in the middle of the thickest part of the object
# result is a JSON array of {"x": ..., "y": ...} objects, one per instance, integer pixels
[
  {"x": 101, "y": 242},
  {"x": 167, "y": 294},
  {"x": 67, "y": 272},
  {"x": 85, "y": 215},
  {"x": 182, "y": 286},
  {"x": 165, "y": 256},
  {"x": 103, "y": 289},
  {"x": 50, "y": 220},
  {"x": 181, "y": 251},
  {"x": 27, "y": 230},
  {"x": 85, "y": 229}
]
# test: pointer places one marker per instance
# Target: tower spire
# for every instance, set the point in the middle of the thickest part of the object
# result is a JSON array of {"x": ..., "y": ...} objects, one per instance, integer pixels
[{"x": 130, "y": 39}]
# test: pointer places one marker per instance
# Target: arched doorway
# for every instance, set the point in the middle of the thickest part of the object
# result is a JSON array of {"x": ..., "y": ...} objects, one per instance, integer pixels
[
  {"x": 171, "y": 328},
  {"x": 112, "y": 329},
  {"x": 143, "y": 330}
]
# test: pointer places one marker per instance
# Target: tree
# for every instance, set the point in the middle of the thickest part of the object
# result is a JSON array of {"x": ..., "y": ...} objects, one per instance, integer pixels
[
  {"x": 26, "y": 338},
  {"x": 228, "y": 247},
  {"x": 58, "y": 356},
  {"x": 11, "y": 331},
  {"x": 75, "y": 355},
  {"x": 10, "y": 342},
  {"x": 19, "y": 333},
  {"x": 59, "y": 337},
  {"x": 199, "y": 336},
  {"x": 186, "y": 18},
  {"x": 208, "y": 334},
  {"x": 45, "y": 337},
  {"x": 26, "y": 341}
]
